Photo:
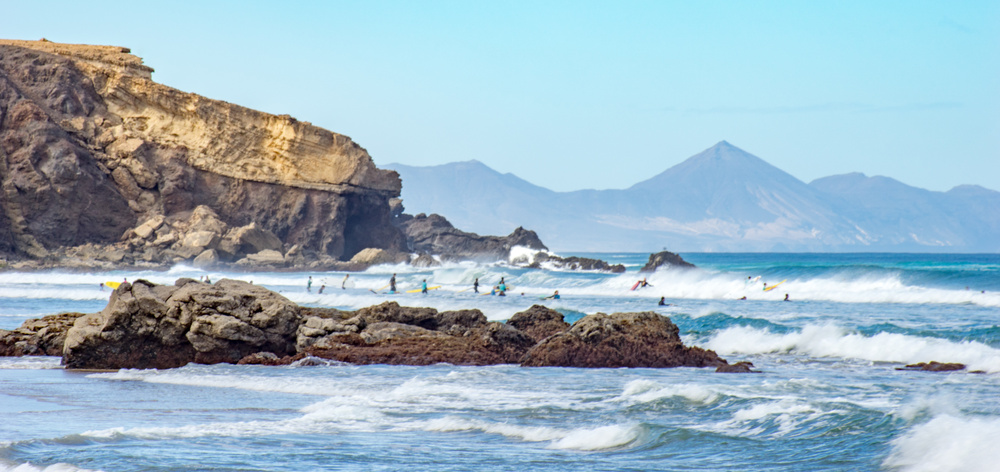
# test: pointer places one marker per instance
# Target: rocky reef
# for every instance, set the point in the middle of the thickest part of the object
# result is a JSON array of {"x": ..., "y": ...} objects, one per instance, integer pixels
[
  {"x": 434, "y": 234},
  {"x": 99, "y": 164},
  {"x": 146, "y": 325}
]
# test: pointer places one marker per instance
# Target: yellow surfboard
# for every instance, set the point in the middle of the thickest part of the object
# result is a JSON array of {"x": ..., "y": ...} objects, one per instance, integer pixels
[
  {"x": 418, "y": 290},
  {"x": 112, "y": 284},
  {"x": 773, "y": 286}
]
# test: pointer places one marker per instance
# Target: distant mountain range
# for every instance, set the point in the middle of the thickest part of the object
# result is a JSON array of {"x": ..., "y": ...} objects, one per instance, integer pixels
[{"x": 722, "y": 199}]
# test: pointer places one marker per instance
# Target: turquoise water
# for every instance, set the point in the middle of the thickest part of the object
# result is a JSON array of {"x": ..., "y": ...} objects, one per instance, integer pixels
[{"x": 829, "y": 397}]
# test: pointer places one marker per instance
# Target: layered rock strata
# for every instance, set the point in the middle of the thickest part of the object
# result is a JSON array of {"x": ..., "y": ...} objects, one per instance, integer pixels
[{"x": 92, "y": 151}]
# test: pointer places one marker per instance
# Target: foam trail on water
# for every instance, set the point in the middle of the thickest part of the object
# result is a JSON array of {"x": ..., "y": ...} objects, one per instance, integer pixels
[{"x": 829, "y": 340}]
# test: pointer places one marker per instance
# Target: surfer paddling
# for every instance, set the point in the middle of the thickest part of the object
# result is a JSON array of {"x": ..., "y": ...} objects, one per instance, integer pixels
[{"x": 554, "y": 296}]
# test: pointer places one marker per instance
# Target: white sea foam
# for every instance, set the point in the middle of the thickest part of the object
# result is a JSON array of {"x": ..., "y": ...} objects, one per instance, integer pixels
[
  {"x": 832, "y": 341},
  {"x": 582, "y": 439},
  {"x": 786, "y": 414},
  {"x": 646, "y": 391},
  {"x": 947, "y": 443},
  {"x": 29, "y": 467},
  {"x": 31, "y": 362}
]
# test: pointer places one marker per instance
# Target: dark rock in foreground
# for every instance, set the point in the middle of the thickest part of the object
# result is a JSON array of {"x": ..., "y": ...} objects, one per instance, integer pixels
[
  {"x": 665, "y": 258},
  {"x": 539, "y": 322},
  {"x": 157, "y": 326},
  {"x": 620, "y": 340},
  {"x": 393, "y": 334}
]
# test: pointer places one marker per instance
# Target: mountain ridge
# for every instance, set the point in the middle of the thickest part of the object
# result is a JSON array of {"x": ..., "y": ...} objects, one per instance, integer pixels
[{"x": 725, "y": 199}]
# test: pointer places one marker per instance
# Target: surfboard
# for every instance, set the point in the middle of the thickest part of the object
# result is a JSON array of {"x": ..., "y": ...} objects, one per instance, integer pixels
[
  {"x": 418, "y": 290},
  {"x": 636, "y": 285},
  {"x": 773, "y": 286},
  {"x": 113, "y": 285}
]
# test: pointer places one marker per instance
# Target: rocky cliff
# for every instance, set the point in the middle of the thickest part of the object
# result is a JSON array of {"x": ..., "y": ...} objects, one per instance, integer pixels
[{"x": 97, "y": 157}]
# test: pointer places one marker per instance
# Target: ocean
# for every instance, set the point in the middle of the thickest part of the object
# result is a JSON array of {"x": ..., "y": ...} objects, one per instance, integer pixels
[{"x": 828, "y": 397}]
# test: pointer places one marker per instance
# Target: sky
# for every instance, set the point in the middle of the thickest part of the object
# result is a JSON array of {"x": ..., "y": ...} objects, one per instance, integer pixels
[{"x": 578, "y": 94}]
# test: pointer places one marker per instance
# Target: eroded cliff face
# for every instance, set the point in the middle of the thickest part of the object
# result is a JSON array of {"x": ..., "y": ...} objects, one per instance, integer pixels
[{"x": 93, "y": 151}]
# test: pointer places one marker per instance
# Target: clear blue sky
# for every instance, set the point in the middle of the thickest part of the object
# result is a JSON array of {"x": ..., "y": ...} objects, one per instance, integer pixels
[{"x": 576, "y": 94}]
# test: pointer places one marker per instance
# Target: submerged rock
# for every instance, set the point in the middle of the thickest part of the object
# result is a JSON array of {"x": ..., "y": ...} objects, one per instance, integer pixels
[
  {"x": 934, "y": 366},
  {"x": 737, "y": 368}
]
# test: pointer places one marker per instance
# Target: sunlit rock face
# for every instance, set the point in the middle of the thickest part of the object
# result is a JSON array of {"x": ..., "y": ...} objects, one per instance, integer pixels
[{"x": 91, "y": 149}]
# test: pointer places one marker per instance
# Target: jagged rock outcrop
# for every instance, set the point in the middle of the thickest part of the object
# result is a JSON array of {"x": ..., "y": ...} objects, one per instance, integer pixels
[
  {"x": 665, "y": 258},
  {"x": 620, "y": 340},
  {"x": 433, "y": 234},
  {"x": 158, "y": 326},
  {"x": 539, "y": 322},
  {"x": 92, "y": 151}
]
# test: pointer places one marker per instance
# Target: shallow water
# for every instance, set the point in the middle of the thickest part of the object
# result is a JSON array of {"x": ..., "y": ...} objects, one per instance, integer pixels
[{"x": 829, "y": 397}]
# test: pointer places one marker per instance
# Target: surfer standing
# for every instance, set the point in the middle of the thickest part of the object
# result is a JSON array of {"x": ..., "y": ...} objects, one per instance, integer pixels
[
  {"x": 475, "y": 285},
  {"x": 392, "y": 284},
  {"x": 309, "y": 284},
  {"x": 423, "y": 287},
  {"x": 343, "y": 283}
]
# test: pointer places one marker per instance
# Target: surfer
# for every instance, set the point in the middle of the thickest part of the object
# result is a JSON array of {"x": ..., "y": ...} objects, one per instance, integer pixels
[
  {"x": 644, "y": 284},
  {"x": 343, "y": 283},
  {"x": 786, "y": 298},
  {"x": 423, "y": 287},
  {"x": 475, "y": 285},
  {"x": 502, "y": 287},
  {"x": 321, "y": 287},
  {"x": 309, "y": 284},
  {"x": 392, "y": 284},
  {"x": 554, "y": 296},
  {"x": 102, "y": 286},
  {"x": 744, "y": 297},
  {"x": 765, "y": 286},
  {"x": 663, "y": 302}
]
